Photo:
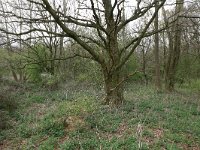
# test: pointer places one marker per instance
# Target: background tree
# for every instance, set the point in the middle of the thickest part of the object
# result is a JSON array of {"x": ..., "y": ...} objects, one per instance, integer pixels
[
  {"x": 156, "y": 52},
  {"x": 174, "y": 37}
]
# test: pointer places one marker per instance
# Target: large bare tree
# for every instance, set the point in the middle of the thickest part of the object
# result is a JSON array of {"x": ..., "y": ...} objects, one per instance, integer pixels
[
  {"x": 97, "y": 28},
  {"x": 112, "y": 58}
]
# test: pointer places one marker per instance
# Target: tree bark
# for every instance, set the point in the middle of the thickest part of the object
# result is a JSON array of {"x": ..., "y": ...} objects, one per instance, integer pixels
[
  {"x": 113, "y": 88},
  {"x": 174, "y": 47},
  {"x": 112, "y": 74},
  {"x": 156, "y": 54}
]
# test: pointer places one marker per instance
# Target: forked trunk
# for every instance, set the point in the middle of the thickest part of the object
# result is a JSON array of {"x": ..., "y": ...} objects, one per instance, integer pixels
[{"x": 114, "y": 89}]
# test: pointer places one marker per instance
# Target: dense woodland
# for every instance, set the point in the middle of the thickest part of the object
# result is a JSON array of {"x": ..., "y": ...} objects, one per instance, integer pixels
[{"x": 100, "y": 74}]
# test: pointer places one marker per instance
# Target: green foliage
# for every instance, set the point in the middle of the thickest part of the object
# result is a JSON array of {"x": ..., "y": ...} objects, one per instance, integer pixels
[
  {"x": 36, "y": 62},
  {"x": 34, "y": 72},
  {"x": 105, "y": 120},
  {"x": 70, "y": 145},
  {"x": 9, "y": 61},
  {"x": 80, "y": 106},
  {"x": 95, "y": 144},
  {"x": 3, "y": 65},
  {"x": 52, "y": 127},
  {"x": 4, "y": 120},
  {"x": 85, "y": 68},
  {"x": 131, "y": 64},
  {"x": 189, "y": 67},
  {"x": 7, "y": 102},
  {"x": 24, "y": 131},
  {"x": 138, "y": 76},
  {"x": 48, "y": 144},
  {"x": 168, "y": 121},
  {"x": 50, "y": 81},
  {"x": 131, "y": 67},
  {"x": 37, "y": 99},
  {"x": 7, "y": 106},
  {"x": 195, "y": 85}
]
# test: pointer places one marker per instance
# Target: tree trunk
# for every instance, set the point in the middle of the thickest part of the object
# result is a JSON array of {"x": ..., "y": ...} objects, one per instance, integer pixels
[
  {"x": 113, "y": 88},
  {"x": 156, "y": 54},
  {"x": 174, "y": 47},
  {"x": 144, "y": 66},
  {"x": 169, "y": 82}
]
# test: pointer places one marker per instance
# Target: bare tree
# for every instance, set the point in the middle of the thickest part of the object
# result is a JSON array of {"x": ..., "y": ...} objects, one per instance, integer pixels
[
  {"x": 108, "y": 30},
  {"x": 156, "y": 53},
  {"x": 104, "y": 22},
  {"x": 145, "y": 48},
  {"x": 174, "y": 37}
]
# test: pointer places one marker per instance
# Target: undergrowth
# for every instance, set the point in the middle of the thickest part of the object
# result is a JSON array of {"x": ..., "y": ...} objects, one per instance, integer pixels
[{"x": 75, "y": 119}]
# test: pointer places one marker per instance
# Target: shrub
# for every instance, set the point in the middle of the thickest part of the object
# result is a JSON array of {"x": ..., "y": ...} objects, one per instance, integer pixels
[
  {"x": 33, "y": 72},
  {"x": 36, "y": 62},
  {"x": 7, "y": 102},
  {"x": 7, "y": 105},
  {"x": 195, "y": 85},
  {"x": 4, "y": 118},
  {"x": 50, "y": 81}
]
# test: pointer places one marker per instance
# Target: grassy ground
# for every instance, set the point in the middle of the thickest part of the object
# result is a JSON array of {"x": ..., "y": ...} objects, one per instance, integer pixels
[{"x": 70, "y": 119}]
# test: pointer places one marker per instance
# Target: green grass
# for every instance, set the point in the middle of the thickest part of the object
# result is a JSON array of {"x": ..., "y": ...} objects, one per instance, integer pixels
[{"x": 147, "y": 120}]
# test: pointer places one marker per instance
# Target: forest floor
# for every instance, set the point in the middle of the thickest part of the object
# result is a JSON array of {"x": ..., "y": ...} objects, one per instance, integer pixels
[{"x": 70, "y": 119}]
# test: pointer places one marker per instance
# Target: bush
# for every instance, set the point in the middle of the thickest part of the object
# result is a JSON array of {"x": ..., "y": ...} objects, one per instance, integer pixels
[
  {"x": 88, "y": 71},
  {"x": 50, "y": 81},
  {"x": 195, "y": 85},
  {"x": 7, "y": 105},
  {"x": 37, "y": 63},
  {"x": 7, "y": 102},
  {"x": 4, "y": 120},
  {"x": 33, "y": 72}
]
